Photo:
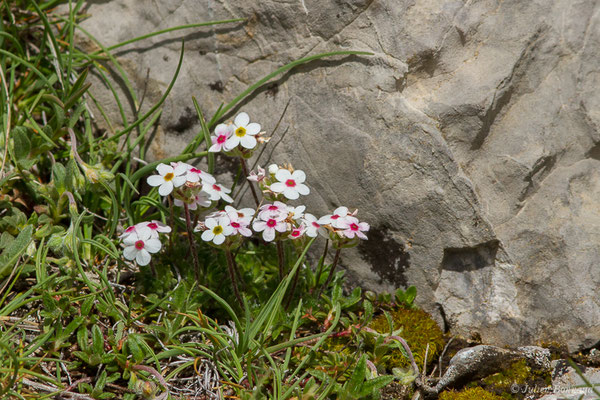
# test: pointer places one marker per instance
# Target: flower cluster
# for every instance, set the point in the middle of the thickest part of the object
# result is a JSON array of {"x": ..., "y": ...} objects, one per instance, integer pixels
[
  {"x": 344, "y": 225},
  {"x": 281, "y": 183},
  {"x": 197, "y": 188},
  {"x": 141, "y": 240},
  {"x": 237, "y": 137},
  {"x": 229, "y": 222}
]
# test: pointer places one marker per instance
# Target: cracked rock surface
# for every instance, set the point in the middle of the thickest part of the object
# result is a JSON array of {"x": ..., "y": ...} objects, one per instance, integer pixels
[{"x": 469, "y": 140}]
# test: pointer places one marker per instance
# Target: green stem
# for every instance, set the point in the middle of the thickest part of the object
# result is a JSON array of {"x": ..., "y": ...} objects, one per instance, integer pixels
[
  {"x": 336, "y": 258},
  {"x": 232, "y": 267},
  {"x": 246, "y": 175},
  {"x": 190, "y": 234},
  {"x": 281, "y": 259}
]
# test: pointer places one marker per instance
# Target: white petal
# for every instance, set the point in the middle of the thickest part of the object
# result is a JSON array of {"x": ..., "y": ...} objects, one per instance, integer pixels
[
  {"x": 155, "y": 180},
  {"x": 277, "y": 187},
  {"x": 302, "y": 189},
  {"x": 219, "y": 239},
  {"x": 223, "y": 129},
  {"x": 249, "y": 142},
  {"x": 228, "y": 230},
  {"x": 232, "y": 142},
  {"x": 242, "y": 119},
  {"x": 179, "y": 180},
  {"x": 181, "y": 168},
  {"x": 207, "y": 236},
  {"x": 283, "y": 175},
  {"x": 164, "y": 169},
  {"x": 130, "y": 252},
  {"x": 153, "y": 245},
  {"x": 268, "y": 235},
  {"x": 343, "y": 211},
  {"x": 299, "y": 176},
  {"x": 165, "y": 188},
  {"x": 226, "y": 197},
  {"x": 143, "y": 258},
  {"x": 215, "y": 148},
  {"x": 252, "y": 129},
  {"x": 210, "y": 223},
  {"x": 290, "y": 193},
  {"x": 259, "y": 225},
  {"x": 130, "y": 239}
]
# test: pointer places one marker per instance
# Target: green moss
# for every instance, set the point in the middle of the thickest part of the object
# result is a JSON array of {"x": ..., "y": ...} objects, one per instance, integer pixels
[
  {"x": 519, "y": 373},
  {"x": 469, "y": 394},
  {"x": 418, "y": 329}
]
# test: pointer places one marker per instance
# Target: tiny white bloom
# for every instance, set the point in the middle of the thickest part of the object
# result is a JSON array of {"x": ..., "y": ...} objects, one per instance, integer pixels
[
  {"x": 312, "y": 226},
  {"x": 257, "y": 177},
  {"x": 196, "y": 175},
  {"x": 216, "y": 192},
  {"x": 217, "y": 230},
  {"x": 200, "y": 199},
  {"x": 277, "y": 210},
  {"x": 222, "y": 133},
  {"x": 352, "y": 227},
  {"x": 298, "y": 232},
  {"x": 140, "y": 247},
  {"x": 139, "y": 229},
  {"x": 243, "y": 133},
  {"x": 156, "y": 227},
  {"x": 168, "y": 178},
  {"x": 273, "y": 168},
  {"x": 268, "y": 227},
  {"x": 291, "y": 184},
  {"x": 239, "y": 220},
  {"x": 334, "y": 219},
  {"x": 296, "y": 212}
]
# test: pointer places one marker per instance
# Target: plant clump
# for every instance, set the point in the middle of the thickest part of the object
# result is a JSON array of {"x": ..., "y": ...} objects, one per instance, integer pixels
[
  {"x": 469, "y": 394},
  {"x": 417, "y": 328}
]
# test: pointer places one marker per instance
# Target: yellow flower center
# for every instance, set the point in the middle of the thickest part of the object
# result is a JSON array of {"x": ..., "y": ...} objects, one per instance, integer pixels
[
  {"x": 169, "y": 176},
  {"x": 240, "y": 132},
  {"x": 218, "y": 229}
]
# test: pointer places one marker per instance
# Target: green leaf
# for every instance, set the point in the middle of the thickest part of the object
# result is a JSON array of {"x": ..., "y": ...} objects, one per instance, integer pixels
[
  {"x": 372, "y": 385},
  {"x": 134, "y": 349},
  {"x": 21, "y": 142},
  {"x": 358, "y": 375},
  {"x": 59, "y": 176},
  {"x": 16, "y": 248},
  {"x": 410, "y": 295},
  {"x": 86, "y": 307},
  {"x": 82, "y": 338},
  {"x": 97, "y": 340}
]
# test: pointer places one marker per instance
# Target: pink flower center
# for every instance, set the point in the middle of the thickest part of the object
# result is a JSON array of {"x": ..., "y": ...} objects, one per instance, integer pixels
[
  {"x": 235, "y": 224},
  {"x": 335, "y": 216},
  {"x": 152, "y": 225},
  {"x": 273, "y": 208},
  {"x": 353, "y": 227},
  {"x": 221, "y": 139},
  {"x": 130, "y": 229},
  {"x": 195, "y": 170},
  {"x": 290, "y": 183},
  {"x": 271, "y": 223},
  {"x": 218, "y": 189},
  {"x": 139, "y": 244},
  {"x": 296, "y": 232},
  {"x": 316, "y": 225}
]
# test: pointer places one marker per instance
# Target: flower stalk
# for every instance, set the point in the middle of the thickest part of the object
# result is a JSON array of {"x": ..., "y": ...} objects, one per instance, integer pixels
[
  {"x": 336, "y": 258},
  {"x": 232, "y": 267},
  {"x": 190, "y": 235}
]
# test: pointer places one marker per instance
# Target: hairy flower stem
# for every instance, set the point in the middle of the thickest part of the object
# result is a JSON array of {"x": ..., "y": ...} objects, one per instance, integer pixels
[
  {"x": 190, "y": 235},
  {"x": 153, "y": 269},
  {"x": 321, "y": 263},
  {"x": 281, "y": 258},
  {"x": 336, "y": 258},
  {"x": 171, "y": 223},
  {"x": 247, "y": 174},
  {"x": 232, "y": 268},
  {"x": 293, "y": 289}
]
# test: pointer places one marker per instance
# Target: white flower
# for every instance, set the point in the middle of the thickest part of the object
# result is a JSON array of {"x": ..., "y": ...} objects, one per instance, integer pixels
[
  {"x": 298, "y": 232},
  {"x": 239, "y": 220},
  {"x": 139, "y": 247},
  {"x": 277, "y": 210},
  {"x": 217, "y": 192},
  {"x": 222, "y": 133},
  {"x": 269, "y": 226},
  {"x": 312, "y": 226},
  {"x": 273, "y": 168},
  {"x": 296, "y": 212},
  {"x": 217, "y": 230},
  {"x": 140, "y": 229},
  {"x": 243, "y": 133},
  {"x": 196, "y": 175},
  {"x": 352, "y": 227},
  {"x": 291, "y": 184},
  {"x": 335, "y": 219},
  {"x": 200, "y": 199},
  {"x": 168, "y": 178},
  {"x": 156, "y": 227},
  {"x": 257, "y": 177}
]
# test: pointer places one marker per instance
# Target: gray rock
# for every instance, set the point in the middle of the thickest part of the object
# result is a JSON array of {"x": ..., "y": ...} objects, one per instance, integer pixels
[
  {"x": 469, "y": 140},
  {"x": 567, "y": 384}
]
